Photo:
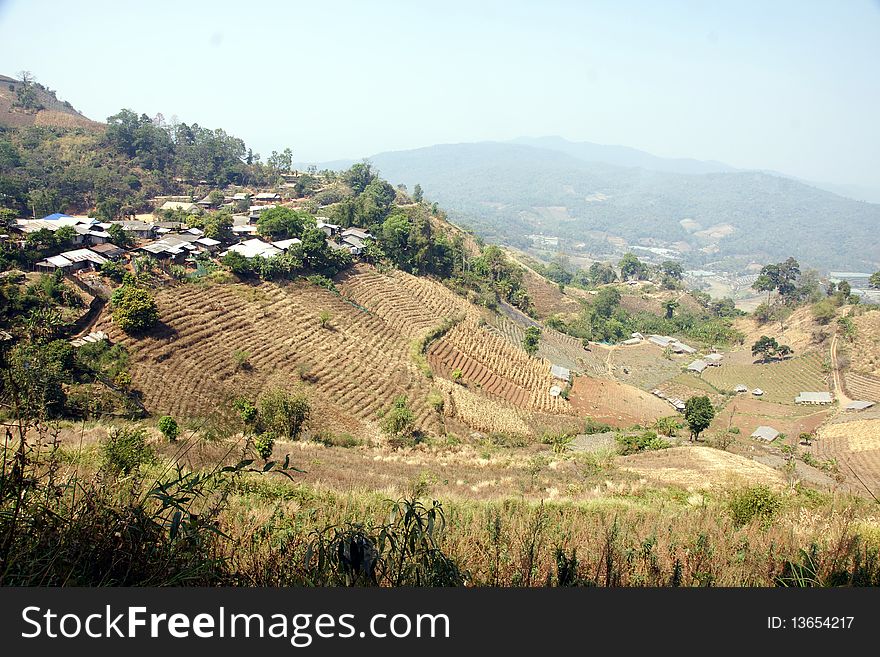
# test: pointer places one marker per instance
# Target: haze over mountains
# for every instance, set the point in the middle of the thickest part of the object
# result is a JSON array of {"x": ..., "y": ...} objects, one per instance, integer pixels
[{"x": 586, "y": 193}]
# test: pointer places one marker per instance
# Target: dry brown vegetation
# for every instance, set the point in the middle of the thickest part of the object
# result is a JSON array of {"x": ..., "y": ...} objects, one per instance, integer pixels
[
  {"x": 615, "y": 403},
  {"x": 864, "y": 353}
]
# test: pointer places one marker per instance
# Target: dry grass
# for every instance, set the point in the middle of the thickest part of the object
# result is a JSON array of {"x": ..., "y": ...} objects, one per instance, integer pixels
[
  {"x": 864, "y": 354},
  {"x": 699, "y": 468},
  {"x": 615, "y": 403}
]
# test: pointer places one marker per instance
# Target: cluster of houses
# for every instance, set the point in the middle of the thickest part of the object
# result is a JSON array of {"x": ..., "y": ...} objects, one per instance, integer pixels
[
  {"x": 675, "y": 402},
  {"x": 173, "y": 241}
]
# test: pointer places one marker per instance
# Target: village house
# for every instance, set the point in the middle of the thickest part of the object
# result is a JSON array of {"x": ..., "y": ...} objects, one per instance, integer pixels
[
  {"x": 713, "y": 359},
  {"x": 766, "y": 433},
  {"x": 137, "y": 229},
  {"x": 253, "y": 248},
  {"x": 108, "y": 250},
  {"x": 560, "y": 372},
  {"x": 698, "y": 366},
  {"x": 179, "y": 205},
  {"x": 741, "y": 388},
  {"x": 266, "y": 197},
  {"x": 329, "y": 229},
  {"x": 72, "y": 261},
  {"x": 757, "y": 392},
  {"x": 858, "y": 405},
  {"x": 172, "y": 247},
  {"x": 814, "y": 398}
]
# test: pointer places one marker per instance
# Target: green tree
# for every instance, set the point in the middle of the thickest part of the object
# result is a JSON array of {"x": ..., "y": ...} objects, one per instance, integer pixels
[
  {"x": 399, "y": 421},
  {"x": 418, "y": 195},
  {"x": 765, "y": 347},
  {"x": 119, "y": 237},
  {"x": 698, "y": 413},
  {"x": 359, "y": 176},
  {"x": 280, "y": 223},
  {"x": 531, "y": 339},
  {"x": 324, "y": 317},
  {"x": 237, "y": 263},
  {"x": 874, "y": 280},
  {"x": 670, "y": 306},
  {"x": 601, "y": 273},
  {"x": 632, "y": 268},
  {"x": 283, "y": 413},
  {"x": 606, "y": 301},
  {"x": 168, "y": 426},
  {"x": 134, "y": 309}
]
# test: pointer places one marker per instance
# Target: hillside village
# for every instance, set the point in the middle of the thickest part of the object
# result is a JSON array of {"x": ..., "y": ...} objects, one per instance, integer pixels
[{"x": 255, "y": 314}]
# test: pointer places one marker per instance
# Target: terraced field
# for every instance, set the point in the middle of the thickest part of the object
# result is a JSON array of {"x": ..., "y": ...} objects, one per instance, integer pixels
[
  {"x": 491, "y": 364},
  {"x": 354, "y": 368},
  {"x": 554, "y": 346},
  {"x": 780, "y": 381},
  {"x": 409, "y": 304},
  {"x": 862, "y": 387},
  {"x": 748, "y": 413},
  {"x": 644, "y": 366},
  {"x": 856, "y": 447}
]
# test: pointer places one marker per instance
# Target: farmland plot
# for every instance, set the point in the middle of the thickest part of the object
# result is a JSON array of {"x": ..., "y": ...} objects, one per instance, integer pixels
[
  {"x": 409, "y": 304},
  {"x": 748, "y": 413},
  {"x": 554, "y": 346},
  {"x": 643, "y": 365},
  {"x": 862, "y": 387},
  {"x": 491, "y": 364},
  {"x": 616, "y": 403},
  {"x": 856, "y": 447},
  {"x": 780, "y": 381},
  {"x": 354, "y": 367}
]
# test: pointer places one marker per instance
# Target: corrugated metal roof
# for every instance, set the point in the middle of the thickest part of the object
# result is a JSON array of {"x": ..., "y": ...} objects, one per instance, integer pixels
[
  {"x": 560, "y": 372},
  {"x": 765, "y": 433},
  {"x": 814, "y": 398},
  {"x": 859, "y": 405}
]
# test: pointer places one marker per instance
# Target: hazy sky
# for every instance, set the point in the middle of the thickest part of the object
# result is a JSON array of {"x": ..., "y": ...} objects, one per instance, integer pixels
[{"x": 790, "y": 86}]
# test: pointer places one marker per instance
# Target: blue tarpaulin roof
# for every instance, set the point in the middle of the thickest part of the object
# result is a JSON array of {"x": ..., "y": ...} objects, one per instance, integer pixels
[{"x": 56, "y": 215}]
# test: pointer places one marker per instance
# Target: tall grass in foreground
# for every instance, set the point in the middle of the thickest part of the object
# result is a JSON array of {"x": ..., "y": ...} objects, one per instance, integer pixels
[{"x": 131, "y": 518}]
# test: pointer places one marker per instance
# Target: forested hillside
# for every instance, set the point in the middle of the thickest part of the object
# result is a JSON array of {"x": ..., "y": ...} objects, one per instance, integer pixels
[{"x": 507, "y": 191}]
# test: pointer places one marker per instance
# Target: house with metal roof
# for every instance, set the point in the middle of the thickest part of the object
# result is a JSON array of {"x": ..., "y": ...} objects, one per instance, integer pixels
[
  {"x": 741, "y": 388},
  {"x": 72, "y": 260},
  {"x": 560, "y": 372},
  {"x": 858, "y": 405},
  {"x": 814, "y": 398},
  {"x": 757, "y": 392},
  {"x": 765, "y": 433},
  {"x": 713, "y": 359},
  {"x": 286, "y": 244},
  {"x": 177, "y": 205},
  {"x": 255, "y": 247},
  {"x": 698, "y": 366}
]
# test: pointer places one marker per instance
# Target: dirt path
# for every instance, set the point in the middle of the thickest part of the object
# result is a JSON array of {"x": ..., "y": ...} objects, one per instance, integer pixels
[{"x": 839, "y": 389}]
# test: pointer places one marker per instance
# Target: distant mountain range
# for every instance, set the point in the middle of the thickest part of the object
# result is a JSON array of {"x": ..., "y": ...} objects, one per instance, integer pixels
[{"x": 598, "y": 195}]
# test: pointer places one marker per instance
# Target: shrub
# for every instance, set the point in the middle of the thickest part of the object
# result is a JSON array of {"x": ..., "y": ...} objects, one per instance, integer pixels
[
  {"x": 592, "y": 426},
  {"x": 168, "y": 426},
  {"x": 753, "y": 503},
  {"x": 330, "y": 439},
  {"x": 126, "y": 450},
  {"x": 457, "y": 375},
  {"x": 264, "y": 443},
  {"x": 560, "y": 442},
  {"x": 241, "y": 359},
  {"x": 134, "y": 309},
  {"x": 246, "y": 411},
  {"x": 398, "y": 422},
  {"x": 640, "y": 442},
  {"x": 283, "y": 413}
]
